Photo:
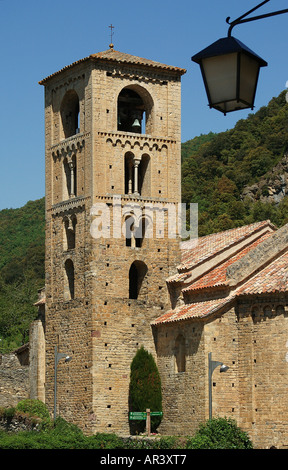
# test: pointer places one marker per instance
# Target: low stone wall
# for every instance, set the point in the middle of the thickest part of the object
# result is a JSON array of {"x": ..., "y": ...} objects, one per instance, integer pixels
[
  {"x": 19, "y": 423},
  {"x": 14, "y": 380}
]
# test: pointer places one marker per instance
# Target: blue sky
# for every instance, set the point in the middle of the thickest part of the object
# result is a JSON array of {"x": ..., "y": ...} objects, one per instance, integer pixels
[{"x": 38, "y": 38}]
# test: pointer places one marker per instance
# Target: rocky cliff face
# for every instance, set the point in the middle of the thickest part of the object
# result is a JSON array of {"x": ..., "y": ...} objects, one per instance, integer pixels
[{"x": 272, "y": 187}]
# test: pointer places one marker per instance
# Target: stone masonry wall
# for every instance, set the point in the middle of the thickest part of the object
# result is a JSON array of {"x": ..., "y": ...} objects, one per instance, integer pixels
[
  {"x": 251, "y": 339},
  {"x": 101, "y": 328},
  {"x": 14, "y": 381},
  {"x": 263, "y": 370},
  {"x": 183, "y": 392}
]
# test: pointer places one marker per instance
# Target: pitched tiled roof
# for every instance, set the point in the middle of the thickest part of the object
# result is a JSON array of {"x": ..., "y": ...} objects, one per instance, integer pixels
[
  {"x": 273, "y": 278},
  {"x": 115, "y": 56},
  {"x": 216, "y": 242},
  {"x": 195, "y": 252},
  {"x": 195, "y": 310},
  {"x": 217, "y": 276}
]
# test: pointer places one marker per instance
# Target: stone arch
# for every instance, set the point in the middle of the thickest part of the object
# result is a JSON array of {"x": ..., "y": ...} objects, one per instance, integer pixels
[
  {"x": 134, "y": 110},
  {"x": 69, "y": 223},
  {"x": 280, "y": 309},
  {"x": 129, "y": 173},
  {"x": 66, "y": 179},
  {"x": 137, "y": 273},
  {"x": 267, "y": 311},
  {"x": 69, "y": 111},
  {"x": 143, "y": 227},
  {"x": 129, "y": 222},
  {"x": 144, "y": 174},
  {"x": 255, "y": 313}
]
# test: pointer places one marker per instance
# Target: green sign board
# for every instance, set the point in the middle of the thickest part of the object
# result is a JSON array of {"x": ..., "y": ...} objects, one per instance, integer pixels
[{"x": 139, "y": 415}]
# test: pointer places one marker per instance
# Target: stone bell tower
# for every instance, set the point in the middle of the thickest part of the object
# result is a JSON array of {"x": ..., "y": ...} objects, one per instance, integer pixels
[{"x": 112, "y": 130}]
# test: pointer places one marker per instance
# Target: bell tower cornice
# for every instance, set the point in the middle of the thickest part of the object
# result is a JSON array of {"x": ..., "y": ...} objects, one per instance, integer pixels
[
  {"x": 69, "y": 146},
  {"x": 124, "y": 139}
]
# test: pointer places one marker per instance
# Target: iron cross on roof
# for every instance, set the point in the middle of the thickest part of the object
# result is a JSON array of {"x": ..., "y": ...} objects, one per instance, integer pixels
[{"x": 112, "y": 33}]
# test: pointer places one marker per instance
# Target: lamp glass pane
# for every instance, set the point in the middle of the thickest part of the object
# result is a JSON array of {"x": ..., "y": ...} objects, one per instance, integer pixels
[
  {"x": 221, "y": 77},
  {"x": 233, "y": 105},
  {"x": 248, "y": 78}
]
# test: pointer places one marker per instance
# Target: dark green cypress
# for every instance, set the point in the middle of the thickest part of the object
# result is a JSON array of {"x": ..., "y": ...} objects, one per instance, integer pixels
[{"x": 145, "y": 389}]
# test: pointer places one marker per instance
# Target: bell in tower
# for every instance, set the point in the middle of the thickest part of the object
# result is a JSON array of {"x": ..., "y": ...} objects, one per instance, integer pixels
[{"x": 130, "y": 111}]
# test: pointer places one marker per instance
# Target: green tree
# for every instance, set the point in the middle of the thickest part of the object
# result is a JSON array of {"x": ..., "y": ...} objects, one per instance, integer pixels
[
  {"x": 34, "y": 408},
  {"x": 145, "y": 388},
  {"x": 17, "y": 312}
]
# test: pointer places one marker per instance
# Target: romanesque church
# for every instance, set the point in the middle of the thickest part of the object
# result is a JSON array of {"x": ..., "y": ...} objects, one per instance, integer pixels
[{"x": 113, "y": 159}]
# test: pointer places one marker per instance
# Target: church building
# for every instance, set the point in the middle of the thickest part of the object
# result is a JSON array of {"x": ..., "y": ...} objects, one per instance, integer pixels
[{"x": 119, "y": 277}]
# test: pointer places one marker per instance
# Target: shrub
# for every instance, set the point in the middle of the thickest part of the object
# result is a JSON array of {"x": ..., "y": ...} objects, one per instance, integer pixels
[
  {"x": 104, "y": 441},
  {"x": 139, "y": 443},
  {"x": 169, "y": 442},
  {"x": 219, "y": 433},
  {"x": 60, "y": 435},
  {"x": 34, "y": 408},
  {"x": 7, "y": 413},
  {"x": 61, "y": 426},
  {"x": 63, "y": 435}
]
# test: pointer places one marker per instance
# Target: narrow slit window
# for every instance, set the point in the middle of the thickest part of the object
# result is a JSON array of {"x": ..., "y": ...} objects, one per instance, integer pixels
[{"x": 69, "y": 280}]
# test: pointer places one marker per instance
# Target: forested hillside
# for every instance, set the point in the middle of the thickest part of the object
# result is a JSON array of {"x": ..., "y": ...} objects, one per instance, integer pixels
[
  {"x": 21, "y": 270},
  {"x": 216, "y": 171}
]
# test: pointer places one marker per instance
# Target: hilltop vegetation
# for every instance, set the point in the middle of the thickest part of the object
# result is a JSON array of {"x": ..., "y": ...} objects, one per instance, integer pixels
[
  {"x": 215, "y": 173},
  {"x": 215, "y": 170}
]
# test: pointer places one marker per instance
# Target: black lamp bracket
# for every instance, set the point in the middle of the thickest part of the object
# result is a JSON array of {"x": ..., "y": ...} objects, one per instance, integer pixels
[{"x": 243, "y": 19}]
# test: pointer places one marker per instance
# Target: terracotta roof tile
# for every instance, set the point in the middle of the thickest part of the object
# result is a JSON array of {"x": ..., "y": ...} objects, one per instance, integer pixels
[
  {"x": 195, "y": 310},
  {"x": 195, "y": 252},
  {"x": 215, "y": 243},
  {"x": 115, "y": 56},
  {"x": 273, "y": 278},
  {"x": 217, "y": 276}
]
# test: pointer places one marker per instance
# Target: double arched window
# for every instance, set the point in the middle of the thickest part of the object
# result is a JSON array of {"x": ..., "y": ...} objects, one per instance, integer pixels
[
  {"x": 136, "y": 230},
  {"x": 137, "y": 174}
]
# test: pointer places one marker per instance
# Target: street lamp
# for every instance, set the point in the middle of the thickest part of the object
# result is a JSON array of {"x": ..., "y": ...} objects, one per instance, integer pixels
[
  {"x": 211, "y": 367},
  {"x": 230, "y": 70},
  {"x": 58, "y": 356}
]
